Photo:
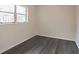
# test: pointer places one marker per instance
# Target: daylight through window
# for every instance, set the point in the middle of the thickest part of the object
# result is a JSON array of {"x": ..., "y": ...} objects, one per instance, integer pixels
[{"x": 13, "y": 14}]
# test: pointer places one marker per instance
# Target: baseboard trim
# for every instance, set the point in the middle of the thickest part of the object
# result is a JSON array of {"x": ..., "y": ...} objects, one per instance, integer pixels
[
  {"x": 17, "y": 45},
  {"x": 77, "y": 44},
  {"x": 21, "y": 44},
  {"x": 57, "y": 37}
]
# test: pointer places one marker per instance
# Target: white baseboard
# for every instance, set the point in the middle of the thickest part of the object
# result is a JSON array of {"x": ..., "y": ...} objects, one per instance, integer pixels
[
  {"x": 58, "y": 37},
  {"x": 39, "y": 35},
  {"x": 77, "y": 44},
  {"x": 17, "y": 43}
]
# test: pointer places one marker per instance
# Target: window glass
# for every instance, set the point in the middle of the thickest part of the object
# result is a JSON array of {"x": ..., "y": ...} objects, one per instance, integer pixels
[
  {"x": 21, "y": 14},
  {"x": 20, "y": 9},
  {"x": 7, "y": 8},
  {"x": 6, "y": 17},
  {"x": 20, "y": 18},
  {"x": 8, "y": 13}
]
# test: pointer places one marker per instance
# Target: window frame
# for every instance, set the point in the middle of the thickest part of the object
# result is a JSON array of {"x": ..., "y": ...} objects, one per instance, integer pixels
[{"x": 15, "y": 15}]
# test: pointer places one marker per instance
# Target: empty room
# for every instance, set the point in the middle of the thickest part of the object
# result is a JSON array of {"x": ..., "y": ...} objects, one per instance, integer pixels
[{"x": 39, "y": 29}]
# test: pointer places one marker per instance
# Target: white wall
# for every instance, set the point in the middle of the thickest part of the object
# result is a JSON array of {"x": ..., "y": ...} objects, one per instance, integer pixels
[
  {"x": 77, "y": 25},
  {"x": 57, "y": 21},
  {"x": 13, "y": 34}
]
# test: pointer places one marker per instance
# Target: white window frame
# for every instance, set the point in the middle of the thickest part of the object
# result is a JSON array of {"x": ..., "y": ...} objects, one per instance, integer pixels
[{"x": 15, "y": 15}]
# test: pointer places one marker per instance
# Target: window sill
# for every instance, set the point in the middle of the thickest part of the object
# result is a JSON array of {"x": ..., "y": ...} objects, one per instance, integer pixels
[{"x": 13, "y": 23}]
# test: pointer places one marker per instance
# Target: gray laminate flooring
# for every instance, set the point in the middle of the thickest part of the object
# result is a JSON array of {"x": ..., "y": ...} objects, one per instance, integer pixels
[{"x": 44, "y": 45}]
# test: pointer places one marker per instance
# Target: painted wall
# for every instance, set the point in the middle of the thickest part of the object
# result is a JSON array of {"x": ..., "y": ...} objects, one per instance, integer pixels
[
  {"x": 13, "y": 34},
  {"x": 77, "y": 26},
  {"x": 57, "y": 21}
]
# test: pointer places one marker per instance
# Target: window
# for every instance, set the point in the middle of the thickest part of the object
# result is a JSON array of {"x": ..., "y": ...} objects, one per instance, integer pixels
[{"x": 13, "y": 14}]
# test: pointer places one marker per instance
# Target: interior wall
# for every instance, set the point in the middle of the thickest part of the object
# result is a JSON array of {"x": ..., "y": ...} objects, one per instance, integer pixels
[
  {"x": 77, "y": 26},
  {"x": 57, "y": 21},
  {"x": 13, "y": 34}
]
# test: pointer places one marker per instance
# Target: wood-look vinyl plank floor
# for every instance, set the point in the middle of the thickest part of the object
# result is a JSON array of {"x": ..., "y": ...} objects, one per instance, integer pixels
[{"x": 44, "y": 45}]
